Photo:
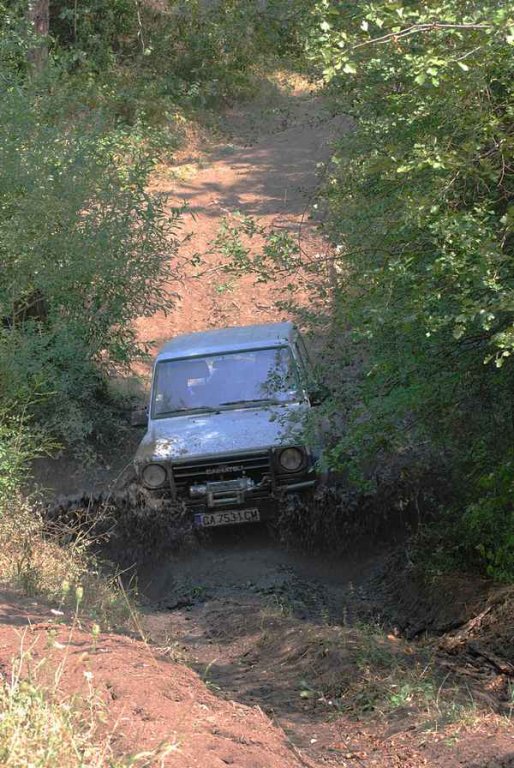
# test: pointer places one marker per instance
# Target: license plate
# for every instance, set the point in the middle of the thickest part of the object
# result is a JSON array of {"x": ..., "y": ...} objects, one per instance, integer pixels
[{"x": 231, "y": 517}]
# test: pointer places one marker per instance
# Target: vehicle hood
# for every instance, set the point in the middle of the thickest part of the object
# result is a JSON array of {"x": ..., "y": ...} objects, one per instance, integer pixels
[{"x": 225, "y": 432}]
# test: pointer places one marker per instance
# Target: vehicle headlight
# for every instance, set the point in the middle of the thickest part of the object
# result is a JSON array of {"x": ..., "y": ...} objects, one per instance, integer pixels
[
  {"x": 291, "y": 459},
  {"x": 154, "y": 476}
]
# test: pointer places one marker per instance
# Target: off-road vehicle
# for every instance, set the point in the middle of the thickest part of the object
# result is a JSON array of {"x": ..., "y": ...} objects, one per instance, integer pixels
[{"x": 225, "y": 423}]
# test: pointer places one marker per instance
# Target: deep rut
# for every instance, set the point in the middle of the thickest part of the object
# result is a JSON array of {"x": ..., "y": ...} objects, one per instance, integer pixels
[{"x": 228, "y": 605}]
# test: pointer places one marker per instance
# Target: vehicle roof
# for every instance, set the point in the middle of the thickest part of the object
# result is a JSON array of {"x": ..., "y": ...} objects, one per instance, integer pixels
[{"x": 227, "y": 340}]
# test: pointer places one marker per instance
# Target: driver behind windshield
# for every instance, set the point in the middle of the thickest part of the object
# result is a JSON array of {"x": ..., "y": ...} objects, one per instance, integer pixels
[
  {"x": 178, "y": 385},
  {"x": 223, "y": 380}
]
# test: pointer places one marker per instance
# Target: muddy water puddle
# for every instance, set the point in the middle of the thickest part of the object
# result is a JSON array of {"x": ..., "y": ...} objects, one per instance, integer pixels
[
  {"x": 241, "y": 564},
  {"x": 294, "y": 635}
]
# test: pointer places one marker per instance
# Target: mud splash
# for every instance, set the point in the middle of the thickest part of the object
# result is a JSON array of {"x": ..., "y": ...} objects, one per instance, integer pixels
[{"x": 125, "y": 526}]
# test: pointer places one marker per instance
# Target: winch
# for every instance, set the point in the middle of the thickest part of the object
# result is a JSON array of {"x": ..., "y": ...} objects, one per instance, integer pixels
[{"x": 223, "y": 492}]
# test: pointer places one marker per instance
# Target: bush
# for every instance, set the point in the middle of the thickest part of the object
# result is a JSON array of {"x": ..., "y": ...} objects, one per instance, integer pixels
[
  {"x": 195, "y": 53},
  {"x": 420, "y": 196},
  {"x": 85, "y": 249},
  {"x": 215, "y": 46},
  {"x": 39, "y": 731},
  {"x": 487, "y": 526}
]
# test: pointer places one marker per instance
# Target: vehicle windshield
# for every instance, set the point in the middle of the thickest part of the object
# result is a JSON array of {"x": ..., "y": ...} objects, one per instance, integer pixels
[{"x": 242, "y": 378}]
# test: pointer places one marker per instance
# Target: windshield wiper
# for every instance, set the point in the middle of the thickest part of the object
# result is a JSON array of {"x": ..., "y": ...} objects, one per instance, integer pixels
[
  {"x": 267, "y": 400},
  {"x": 186, "y": 411}
]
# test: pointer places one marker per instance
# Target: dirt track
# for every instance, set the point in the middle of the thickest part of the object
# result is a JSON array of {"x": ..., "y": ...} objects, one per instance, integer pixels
[
  {"x": 275, "y": 631},
  {"x": 266, "y": 167},
  {"x": 261, "y": 625}
]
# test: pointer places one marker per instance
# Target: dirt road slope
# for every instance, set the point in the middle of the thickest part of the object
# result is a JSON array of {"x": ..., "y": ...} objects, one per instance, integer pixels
[{"x": 267, "y": 167}]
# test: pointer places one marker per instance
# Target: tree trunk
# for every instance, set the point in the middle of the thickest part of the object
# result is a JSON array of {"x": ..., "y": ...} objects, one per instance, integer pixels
[{"x": 39, "y": 16}]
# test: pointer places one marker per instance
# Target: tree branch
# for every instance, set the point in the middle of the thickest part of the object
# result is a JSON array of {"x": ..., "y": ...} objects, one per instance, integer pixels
[{"x": 415, "y": 29}]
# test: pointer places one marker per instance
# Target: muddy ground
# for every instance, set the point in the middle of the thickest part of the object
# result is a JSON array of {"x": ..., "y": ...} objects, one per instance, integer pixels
[
  {"x": 307, "y": 640},
  {"x": 248, "y": 654},
  {"x": 256, "y": 655}
]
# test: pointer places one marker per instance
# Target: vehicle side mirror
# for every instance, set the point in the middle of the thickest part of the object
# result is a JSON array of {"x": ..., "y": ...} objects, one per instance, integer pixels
[{"x": 139, "y": 417}]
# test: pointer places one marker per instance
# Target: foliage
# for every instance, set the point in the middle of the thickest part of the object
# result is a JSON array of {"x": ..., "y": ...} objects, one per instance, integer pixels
[
  {"x": 37, "y": 731},
  {"x": 84, "y": 249},
  {"x": 18, "y": 445},
  {"x": 490, "y": 521},
  {"x": 57, "y": 564},
  {"x": 216, "y": 45},
  {"x": 54, "y": 561},
  {"x": 93, "y": 33},
  {"x": 421, "y": 205},
  {"x": 186, "y": 52}
]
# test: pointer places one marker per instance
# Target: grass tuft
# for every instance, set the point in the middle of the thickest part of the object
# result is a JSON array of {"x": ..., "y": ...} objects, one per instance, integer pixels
[
  {"x": 58, "y": 566},
  {"x": 42, "y": 728}
]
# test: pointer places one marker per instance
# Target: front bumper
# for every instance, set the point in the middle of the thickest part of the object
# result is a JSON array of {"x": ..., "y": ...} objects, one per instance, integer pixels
[{"x": 235, "y": 482}]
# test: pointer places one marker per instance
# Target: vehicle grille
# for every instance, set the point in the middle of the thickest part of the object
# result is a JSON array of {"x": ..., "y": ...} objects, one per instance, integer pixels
[{"x": 255, "y": 465}]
